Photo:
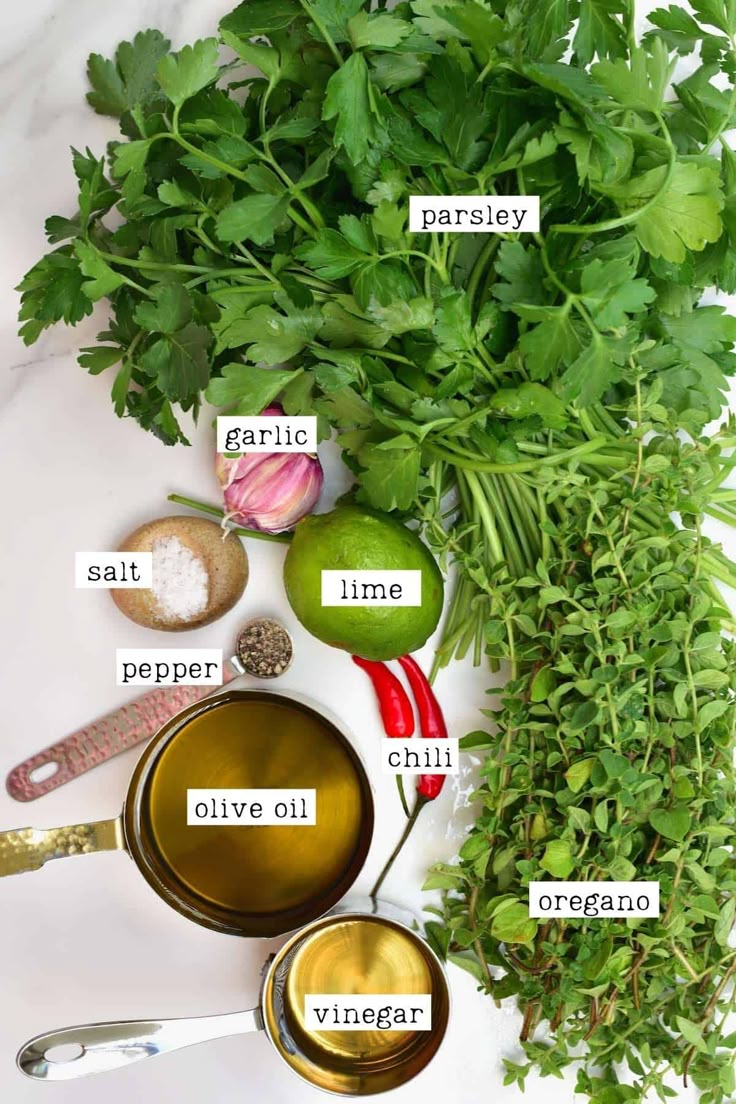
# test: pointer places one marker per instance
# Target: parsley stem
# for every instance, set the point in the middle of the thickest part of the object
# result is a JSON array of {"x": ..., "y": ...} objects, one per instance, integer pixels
[
  {"x": 294, "y": 189},
  {"x": 311, "y": 209},
  {"x": 486, "y": 254},
  {"x": 215, "y": 162},
  {"x": 436, "y": 265},
  {"x": 458, "y": 425},
  {"x": 136, "y": 286},
  {"x": 323, "y": 31},
  {"x": 207, "y": 241},
  {"x": 553, "y": 460},
  {"x": 486, "y": 517},
  {"x": 251, "y": 282},
  {"x": 257, "y": 264},
  {"x": 229, "y": 170},
  {"x": 300, "y": 222},
  {"x": 514, "y": 555},
  {"x": 154, "y": 266},
  {"x": 727, "y": 117},
  {"x": 263, "y": 109},
  {"x": 384, "y": 353}
]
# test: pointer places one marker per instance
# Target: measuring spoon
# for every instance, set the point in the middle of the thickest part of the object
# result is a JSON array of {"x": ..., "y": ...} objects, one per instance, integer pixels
[{"x": 110, "y": 735}]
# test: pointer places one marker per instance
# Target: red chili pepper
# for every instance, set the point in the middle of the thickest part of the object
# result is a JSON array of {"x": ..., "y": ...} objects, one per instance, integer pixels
[
  {"x": 431, "y": 722},
  {"x": 393, "y": 701}
]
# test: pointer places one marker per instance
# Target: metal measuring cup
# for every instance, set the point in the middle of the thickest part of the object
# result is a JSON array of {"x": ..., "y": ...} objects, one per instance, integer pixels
[
  {"x": 376, "y": 1064},
  {"x": 123, "y": 728},
  {"x": 336, "y": 854}
]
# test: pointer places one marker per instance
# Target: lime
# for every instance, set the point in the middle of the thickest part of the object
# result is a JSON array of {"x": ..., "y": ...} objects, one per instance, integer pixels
[{"x": 353, "y": 538}]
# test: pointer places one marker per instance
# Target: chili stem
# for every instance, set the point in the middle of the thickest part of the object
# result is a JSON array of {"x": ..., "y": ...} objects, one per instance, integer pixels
[
  {"x": 419, "y": 805},
  {"x": 402, "y": 794}
]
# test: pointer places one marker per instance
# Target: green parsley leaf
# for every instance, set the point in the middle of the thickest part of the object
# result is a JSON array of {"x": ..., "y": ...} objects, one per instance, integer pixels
[
  {"x": 641, "y": 83},
  {"x": 184, "y": 74},
  {"x": 233, "y": 150},
  {"x": 611, "y": 293},
  {"x": 453, "y": 109},
  {"x": 52, "y": 291},
  {"x": 392, "y": 71},
  {"x": 474, "y": 23},
  {"x": 527, "y": 400},
  {"x": 179, "y": 361},
  {"x": 717, "y": 13},
  {"x": 173, "y": 195},
  {"x": 710, "y": 107},
  {"x": 589, "y": 377},
  {"x": 453, "y": 328},
  {"x": 552, "y": 344},
  {"x": 265, "y": 58},
  {"x": 254, "y": 218},
  {"x": 521, "y": 270},
  {"x": 101, "y": 279},
  {"x": 251, "y": 388},
  {"x": 380, "y": 31},
  {"x": 130, "y": 157},
  {"x": 171, "y": 311},
  {"x": 676, "y": 27},
  {"x": 331, "y": 255},
  {"x": 100, "y": 357},
  {"x": 431, "y": 17},
  {"x": 336, "y": 14},
  {"x": 129, "y": 81},
  {"x": 401, "y": 316},
  {"x": 263, "y": 179},
  {"x": 274, "y": 337},
  {"x": 599, "y": 31},
  {"x": 686, "y": 214},
  {"x": 213, "y": 112},
  {"x": 261, "y": 17},
  {"x": 350, "y": 101},
  {"x": 391, "y": 475}
]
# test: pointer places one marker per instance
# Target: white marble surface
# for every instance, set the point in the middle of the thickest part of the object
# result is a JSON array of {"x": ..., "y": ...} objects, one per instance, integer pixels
[{"x": 86, "y": 939}]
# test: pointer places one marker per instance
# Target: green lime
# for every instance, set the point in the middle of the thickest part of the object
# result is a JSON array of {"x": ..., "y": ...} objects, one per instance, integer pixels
[{"x": 353, "y": 538}]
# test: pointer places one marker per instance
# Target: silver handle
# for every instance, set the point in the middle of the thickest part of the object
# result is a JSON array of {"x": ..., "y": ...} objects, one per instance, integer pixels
[{"x": 96, "y": 1048}]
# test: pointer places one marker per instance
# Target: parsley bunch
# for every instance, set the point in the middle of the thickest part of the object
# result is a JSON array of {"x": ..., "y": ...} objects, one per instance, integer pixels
[{"x": 537, "y": 403}]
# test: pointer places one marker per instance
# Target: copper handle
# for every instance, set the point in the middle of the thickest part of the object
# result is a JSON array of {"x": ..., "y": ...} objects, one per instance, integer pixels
[
  {"x": 105, "y": 738},
  {"x": 23, "y": 849}
]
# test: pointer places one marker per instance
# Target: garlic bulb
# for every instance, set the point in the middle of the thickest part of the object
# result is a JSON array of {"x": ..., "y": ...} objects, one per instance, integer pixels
[{"x": 269, "y": 491}]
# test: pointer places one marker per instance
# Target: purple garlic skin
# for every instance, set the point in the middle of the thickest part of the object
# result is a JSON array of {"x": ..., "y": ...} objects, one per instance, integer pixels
[{"x": 269, "y": 491}]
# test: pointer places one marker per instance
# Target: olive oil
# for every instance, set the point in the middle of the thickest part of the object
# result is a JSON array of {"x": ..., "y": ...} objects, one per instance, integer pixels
[{"x": 265, "y": 878}]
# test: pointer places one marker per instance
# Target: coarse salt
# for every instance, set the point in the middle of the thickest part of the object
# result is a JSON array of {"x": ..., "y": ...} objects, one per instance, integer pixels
[{"x": 180, "y": 581}]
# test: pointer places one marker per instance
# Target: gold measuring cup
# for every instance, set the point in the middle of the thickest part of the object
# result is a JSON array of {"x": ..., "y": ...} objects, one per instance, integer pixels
[
  {"x": 351, "y": 951},
  {"x": 248, "y": 880}
]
